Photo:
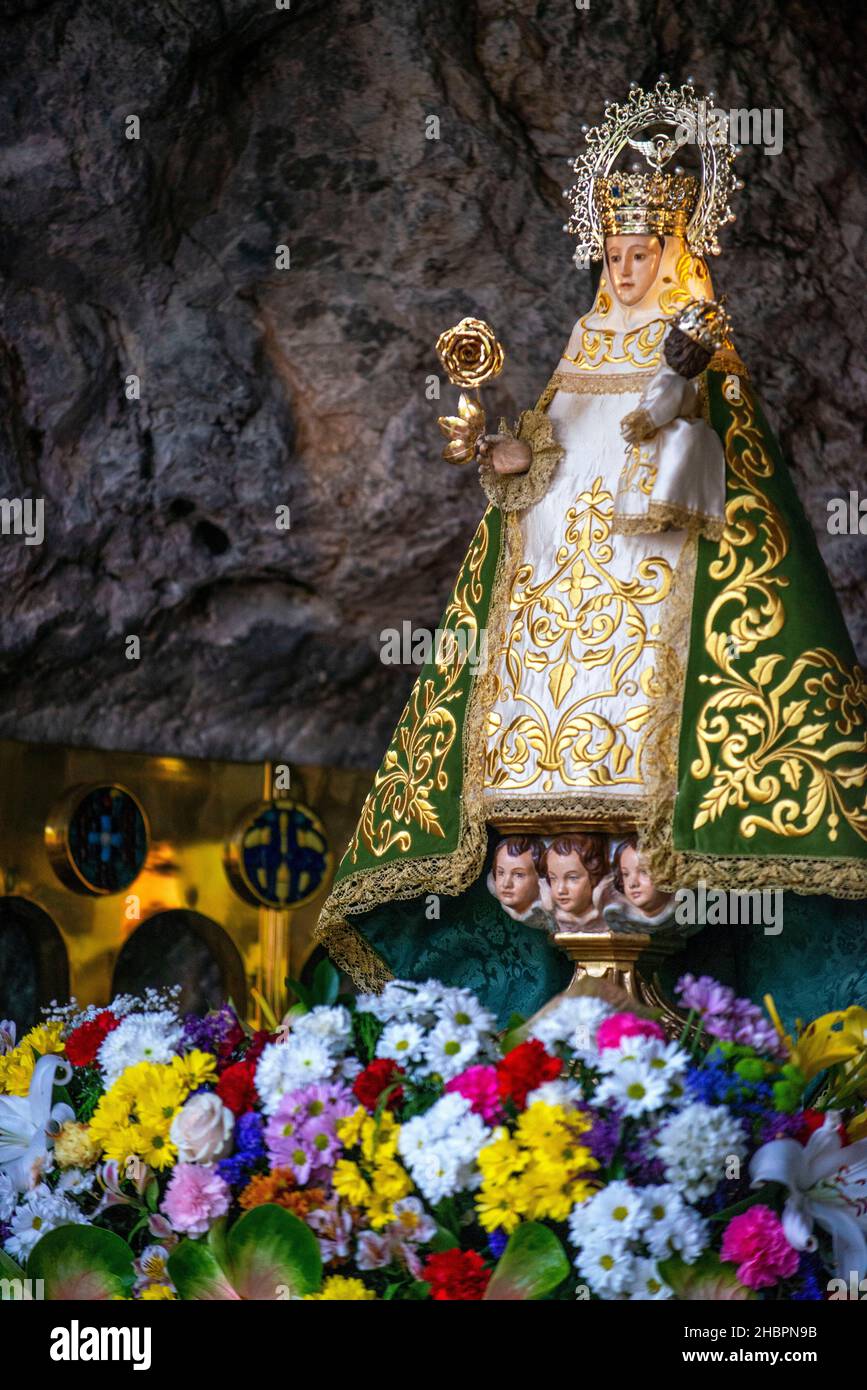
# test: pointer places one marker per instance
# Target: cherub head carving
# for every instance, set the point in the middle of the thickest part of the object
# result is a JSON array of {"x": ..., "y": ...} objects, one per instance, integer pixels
[
  {"x": 515, "y": 873},
  {"x": 573, "y": 865}
]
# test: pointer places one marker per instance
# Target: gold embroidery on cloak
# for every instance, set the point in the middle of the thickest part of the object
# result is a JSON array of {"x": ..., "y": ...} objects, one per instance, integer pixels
[{"x": 583, "y": 748}]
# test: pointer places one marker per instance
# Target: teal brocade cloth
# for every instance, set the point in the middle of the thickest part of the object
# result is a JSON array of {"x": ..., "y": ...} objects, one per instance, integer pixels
[{"x": 516, "y": 969}]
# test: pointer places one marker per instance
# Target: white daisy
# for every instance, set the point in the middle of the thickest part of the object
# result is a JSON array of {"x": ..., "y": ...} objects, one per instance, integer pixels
[
  {"x": 461, "y": 1009},
  {"x": 672, "y": 1226},
  {"x": 75, "y": 1182},
  {"x": 435, "y": 1173},
  {"x": 147, "y": 1037},
  {"x": 403, "y": 1041},
  {"x": 439, "y": 1147},
  {"x": 646, "y": 1282},
  {"x": 607, "y": 1265},
  {"x": 633, "y": 1087},
  {"x": 39, "y": 1211},
  {"x": 449, "y": 1050},
  {"x": 616, "y": 1212},
  {"x": 285, "y": 1066}
]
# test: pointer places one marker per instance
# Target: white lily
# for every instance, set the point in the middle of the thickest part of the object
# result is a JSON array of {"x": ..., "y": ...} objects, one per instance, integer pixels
[
  {"x": 827, "y": 1184},
  {"x": 28, "y": 1123}
]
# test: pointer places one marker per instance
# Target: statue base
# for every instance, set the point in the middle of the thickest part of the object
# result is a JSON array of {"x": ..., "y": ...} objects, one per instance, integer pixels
[{"x": 628, "y": 961}]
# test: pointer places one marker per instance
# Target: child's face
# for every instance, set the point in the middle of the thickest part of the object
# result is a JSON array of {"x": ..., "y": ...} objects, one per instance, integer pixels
[
  {"x": 571, "y": 888},
  {"x": 516, "y": 882},
  {"x": 638, "y": 886}
]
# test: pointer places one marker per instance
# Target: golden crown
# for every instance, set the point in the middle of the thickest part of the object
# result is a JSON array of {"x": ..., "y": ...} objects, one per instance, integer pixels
[
  {"x": 659, "y": 204},
  {"x": 605, "y": 201}
]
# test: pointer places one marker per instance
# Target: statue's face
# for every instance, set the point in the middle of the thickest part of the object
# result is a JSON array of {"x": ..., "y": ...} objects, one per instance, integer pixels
[
  {"x": 571, "y": 889},
  {"x": 516, "y": 882},
  {"x": 638, "y": 886},
  {"x": 632, "y": 265}
]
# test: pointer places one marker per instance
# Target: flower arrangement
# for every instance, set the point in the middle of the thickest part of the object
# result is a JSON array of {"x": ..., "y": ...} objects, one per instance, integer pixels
[{"x": 396, "y": 1147}]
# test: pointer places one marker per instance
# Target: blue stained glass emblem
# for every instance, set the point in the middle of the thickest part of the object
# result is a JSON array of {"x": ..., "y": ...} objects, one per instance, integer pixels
[
  {"x": 284, "y": 854},
  {"x": 107, "y": 839}
]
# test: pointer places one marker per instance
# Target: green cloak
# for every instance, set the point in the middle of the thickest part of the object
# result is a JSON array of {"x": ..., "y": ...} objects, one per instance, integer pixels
[{"x": 759, "y": 778}]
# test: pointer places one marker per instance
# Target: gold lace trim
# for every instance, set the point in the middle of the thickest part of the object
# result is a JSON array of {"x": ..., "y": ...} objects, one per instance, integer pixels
[
  {"x": 668, "y": 516},
  {"x": 517, "y": 491},
  {"x": 576, "y": 383},
  {"x": 728, "y": 361},
  {"x": 594, "y": 806}
]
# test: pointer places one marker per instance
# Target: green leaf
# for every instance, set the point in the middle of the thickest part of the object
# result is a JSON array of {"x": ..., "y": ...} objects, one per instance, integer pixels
[
  {"x": 707, "y": 1280},
  {"x": 326, "y": 982},
  {"x": 82, "y": 1263},
  {"x": 267, "y": 1255},
  {"x": 270, "y": 1249},
  {"x": 443, "y": 1240},
  {"x": 216, "y": 1243},
  {"x": 366, "y": 1030},
  {"x": 531, "y": 1266},
  {"x": 8, "y": 1268},
  {"x": 152, "y": 1194},
  {"x": 300, "y": 991},
  {"x": 764, "y": 1196},
  {"x": 196, "y": 1274},
  {"x": 513, "y": 1039}
]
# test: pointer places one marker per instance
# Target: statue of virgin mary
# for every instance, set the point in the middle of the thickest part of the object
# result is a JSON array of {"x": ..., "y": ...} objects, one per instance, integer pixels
[{"x": 665, "y": 655}]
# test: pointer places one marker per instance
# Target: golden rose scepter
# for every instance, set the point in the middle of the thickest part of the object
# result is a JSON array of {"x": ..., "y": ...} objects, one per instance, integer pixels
[{"x": 470, "y": 355}]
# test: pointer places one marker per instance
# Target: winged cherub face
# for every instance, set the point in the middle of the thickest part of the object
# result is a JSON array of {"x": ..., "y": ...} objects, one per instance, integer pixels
[{"x": 632, "y": 265}]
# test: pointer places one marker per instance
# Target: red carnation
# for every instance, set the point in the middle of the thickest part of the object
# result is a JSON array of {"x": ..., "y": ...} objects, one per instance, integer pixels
[
  {"x": 456, "y": 1274},
  {"x": 236, "y": 1087},
  {"x": 523, "y": 1069},
  {"x": 376, "y": 1078},
  {"x": 85, "y": 1041}
]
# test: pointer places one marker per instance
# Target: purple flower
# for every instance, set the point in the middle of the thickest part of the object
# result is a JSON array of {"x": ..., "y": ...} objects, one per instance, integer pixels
[
  {"x": 211, "y": 1032},
  {"x": 725, "y": 1017},
  {"x": 249, "y": 1146},
  {"x": 603, "y": 1137},
  {"x": 497, "y": 1242},
  {"x": 302, "y": 1132},
  {"x": 706, "y": 995}
]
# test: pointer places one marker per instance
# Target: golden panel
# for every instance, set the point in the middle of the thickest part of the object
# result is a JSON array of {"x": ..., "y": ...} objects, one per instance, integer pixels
[{"x": 576, "y": 617}]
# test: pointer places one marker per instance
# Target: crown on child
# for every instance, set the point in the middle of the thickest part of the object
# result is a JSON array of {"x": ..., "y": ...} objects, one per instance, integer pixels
[{"x": 705, "y": 321}]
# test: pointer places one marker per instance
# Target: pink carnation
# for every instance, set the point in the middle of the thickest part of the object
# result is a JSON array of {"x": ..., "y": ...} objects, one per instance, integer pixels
[
  {"x": 479, "y": 1086},
  {"x": 618, "y": 1026},
  {"x": 195, "y": 1197},
  {"x": 755, "y": 1242}
]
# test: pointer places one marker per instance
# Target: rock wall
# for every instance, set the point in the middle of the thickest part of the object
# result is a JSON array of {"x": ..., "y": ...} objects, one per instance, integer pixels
[{"x": 156, "y": 258}]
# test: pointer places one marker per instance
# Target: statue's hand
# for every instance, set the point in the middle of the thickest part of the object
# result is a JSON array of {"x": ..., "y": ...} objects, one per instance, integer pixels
[
  {"x": 637, "y": 426},
  {"x": 503, "y": 453}
]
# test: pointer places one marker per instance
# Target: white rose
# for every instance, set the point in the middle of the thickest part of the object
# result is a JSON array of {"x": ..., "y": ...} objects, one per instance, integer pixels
[{"x": 202, "y": 1129}]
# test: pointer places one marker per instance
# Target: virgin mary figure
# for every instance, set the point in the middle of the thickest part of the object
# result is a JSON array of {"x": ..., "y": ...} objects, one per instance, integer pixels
[{"x": 665, "y": 654}]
